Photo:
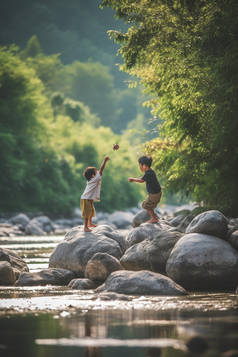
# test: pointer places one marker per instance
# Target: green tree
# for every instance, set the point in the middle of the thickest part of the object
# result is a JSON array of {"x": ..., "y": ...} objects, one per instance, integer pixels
[{"x": 186, "y": 52}]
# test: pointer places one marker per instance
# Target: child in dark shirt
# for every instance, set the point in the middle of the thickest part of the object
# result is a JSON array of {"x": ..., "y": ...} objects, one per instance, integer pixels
[{"x": 152, "y": 186}]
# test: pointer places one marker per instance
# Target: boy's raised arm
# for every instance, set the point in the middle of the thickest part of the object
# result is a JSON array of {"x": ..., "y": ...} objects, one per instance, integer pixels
[
  {"x": 139, "y": 179},
  {"x": 106, "y": 158}
]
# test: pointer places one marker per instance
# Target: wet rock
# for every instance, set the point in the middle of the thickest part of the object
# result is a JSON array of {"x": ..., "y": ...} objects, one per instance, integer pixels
[
  {"x": 145, "y": 231},
  {"x": 152, "y": 253},
  {"x": 121, "y": 219},
  {"x": 78, "y": 247},
  {"x": 82, "y": 284},
  {"x": 233, "y": 240},
  {"x": 100, "y": 266},
  {"x": 141, "y": 217},
  {"x": 200, "y": 261},
  {"x": 8, "y": 230},
  {"x": 140, "y": 283},
  {"x": 45, "y": 277},
  {"x": 17, "y": 263},
  {"x": 7, "y": 276},
  {"x": 20, "y": 219},
  {"x": 211, "y": 222}
]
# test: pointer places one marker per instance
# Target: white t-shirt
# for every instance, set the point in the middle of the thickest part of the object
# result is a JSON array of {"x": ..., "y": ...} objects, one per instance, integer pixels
[{"x": 92, "y": 190}]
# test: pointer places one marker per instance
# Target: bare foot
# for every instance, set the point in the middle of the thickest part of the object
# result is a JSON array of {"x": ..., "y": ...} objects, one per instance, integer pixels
[
  {"x": 152, "y": 220},
  {"x": 87, "y": 230},
  {"x": 93, "y": 225}
]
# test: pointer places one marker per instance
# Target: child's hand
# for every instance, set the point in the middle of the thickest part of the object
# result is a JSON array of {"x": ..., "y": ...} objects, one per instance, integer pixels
[
  {"x": 106, "y": 158},
  {"x": 130, "y": 179}
]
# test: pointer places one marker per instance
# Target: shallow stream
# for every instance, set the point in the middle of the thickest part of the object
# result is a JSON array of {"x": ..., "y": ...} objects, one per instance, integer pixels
[{"x": 56, "y": 321}]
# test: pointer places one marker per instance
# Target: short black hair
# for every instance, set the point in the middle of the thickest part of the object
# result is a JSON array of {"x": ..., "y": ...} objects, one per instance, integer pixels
[
  {"x": 89, "y": 172},
  {"x": 145, "y": 160}
]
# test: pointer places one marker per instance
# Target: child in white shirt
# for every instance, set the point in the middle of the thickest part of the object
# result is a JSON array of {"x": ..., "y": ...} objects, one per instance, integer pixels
[{"x": 91, "y": 194}]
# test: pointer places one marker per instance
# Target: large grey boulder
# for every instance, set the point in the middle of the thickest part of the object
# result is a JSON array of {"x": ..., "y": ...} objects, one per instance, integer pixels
[
  {"x": 200, "y": 261},
  {"x": 17, "y": 263},
  {"x": 234, "y": 222},
  {"x": 45, "y": 277},
  {"x": 7, "y": 276},
  {"x": 211, "y": 223},
  {"x": 121, "y": 219},
  {"x": 82, "y": 284},
  {"x": 100, "y": 266},
  {"x": 78, "y": 247},
  {"x": 20, "y": 219},
  {"x": 152, "y": 253},
  {"x": 145, "y": 231},
  {"x": 140, "y": 283}
]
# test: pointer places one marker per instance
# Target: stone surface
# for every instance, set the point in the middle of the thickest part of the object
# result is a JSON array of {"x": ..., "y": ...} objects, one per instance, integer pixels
[
  {"x": 78, "y": 247},
  {"x": 121, "y": 219},
  {"x": 152, "y": 253},
  {"x": 211, "y": 223},
  {"x": 233, "y": 240},
  {"x": 185, "y": 223},
  {"x": 145, "y": 231},
  {"x": 20, "y": 219},
  {"x": 203, "y": 262},
  {"x": 45, "y": 277},
  {"x": 141, "y": 217},
  {"x": 140, "y": 283},
  {"x": 177, "y": 220},
  {"x": 45, "y": 223},
  {"x": 34, "y": 228},
  {"x": 17, "y": 263},
  {"x": 7, "y": 276},
  {"x": 100, "y": 266},
  {"x": 81, "y": 284}
]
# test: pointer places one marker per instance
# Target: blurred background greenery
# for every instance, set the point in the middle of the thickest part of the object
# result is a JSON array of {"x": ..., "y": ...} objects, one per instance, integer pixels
[{"x": 63, "y": 103}]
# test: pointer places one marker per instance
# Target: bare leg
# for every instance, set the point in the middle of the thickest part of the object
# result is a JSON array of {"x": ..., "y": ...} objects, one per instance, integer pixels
[
  {"x": 154, "y": 218},
  {"x": 90, "y": 224},
  {"x": 86, "y": 229}
]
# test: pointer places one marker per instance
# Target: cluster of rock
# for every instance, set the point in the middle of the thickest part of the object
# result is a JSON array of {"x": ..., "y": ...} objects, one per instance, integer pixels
[
  {"x": 21, "y": 224},
  {"x": 166, "y": 258}
]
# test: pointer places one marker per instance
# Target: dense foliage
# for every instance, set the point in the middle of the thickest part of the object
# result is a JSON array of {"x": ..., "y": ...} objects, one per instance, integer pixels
[
  {"x": 47, "y": 140},
  {"x": 187, "y": 53},
  {"x": 74, "y": 33}
]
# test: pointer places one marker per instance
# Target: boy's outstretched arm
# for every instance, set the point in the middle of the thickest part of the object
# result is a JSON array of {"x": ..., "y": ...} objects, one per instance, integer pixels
[
  {"x": 106, "y": 158},
  {"x": 139, "y": 179}
]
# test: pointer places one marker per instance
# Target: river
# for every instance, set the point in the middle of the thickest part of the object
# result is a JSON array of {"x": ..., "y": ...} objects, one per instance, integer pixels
[{"x": 56, "y": 321}]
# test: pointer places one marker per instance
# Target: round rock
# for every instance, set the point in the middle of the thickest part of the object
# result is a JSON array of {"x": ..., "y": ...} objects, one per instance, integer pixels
[
  {"x": 82, "y": 284},
  {"x": 200, "y": 261},
  {"x": 210, "y": 222},
  {"x": 140, "y": 283},
  {"x": 7, "y": 276},
  {"x": 101, "y": 266},
  {"x": 152, "y": 253}
]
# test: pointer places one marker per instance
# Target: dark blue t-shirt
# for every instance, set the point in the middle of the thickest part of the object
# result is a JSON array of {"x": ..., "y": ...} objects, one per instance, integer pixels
[{"x": 152, "y": 183}]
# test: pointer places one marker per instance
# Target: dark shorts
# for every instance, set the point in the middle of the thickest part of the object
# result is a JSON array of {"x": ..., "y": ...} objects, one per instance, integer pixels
[{"x": 152, "y": 201}]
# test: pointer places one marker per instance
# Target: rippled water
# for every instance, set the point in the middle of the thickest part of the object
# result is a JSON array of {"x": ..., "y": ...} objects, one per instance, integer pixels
[{"x": 57, "y": 321}]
